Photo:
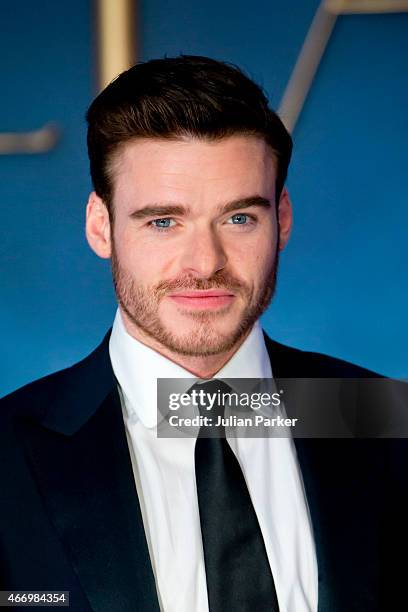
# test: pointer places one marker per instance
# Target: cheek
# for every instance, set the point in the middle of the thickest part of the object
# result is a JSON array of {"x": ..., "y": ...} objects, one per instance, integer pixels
[
  {"x": 253, "y": 261},
  {"x": 143, "y": 259}
]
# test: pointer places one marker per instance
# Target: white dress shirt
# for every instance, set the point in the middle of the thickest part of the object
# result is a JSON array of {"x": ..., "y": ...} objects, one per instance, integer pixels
[{"x": 165, "y": 481}]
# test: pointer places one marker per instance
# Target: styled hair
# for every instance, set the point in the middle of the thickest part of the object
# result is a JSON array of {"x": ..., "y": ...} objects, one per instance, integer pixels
[{"x": 171, "y": 98}]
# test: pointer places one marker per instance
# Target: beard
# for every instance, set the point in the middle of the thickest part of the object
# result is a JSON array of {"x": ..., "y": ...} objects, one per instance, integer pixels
[{"x": 141, "y": 305}]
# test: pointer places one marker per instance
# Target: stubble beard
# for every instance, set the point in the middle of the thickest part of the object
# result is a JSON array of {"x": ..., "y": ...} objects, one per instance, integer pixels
[{"x": 141, "y": 305}]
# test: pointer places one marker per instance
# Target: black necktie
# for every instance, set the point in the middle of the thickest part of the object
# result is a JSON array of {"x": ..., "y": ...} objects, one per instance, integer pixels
[{"x": 239, "y": 578}]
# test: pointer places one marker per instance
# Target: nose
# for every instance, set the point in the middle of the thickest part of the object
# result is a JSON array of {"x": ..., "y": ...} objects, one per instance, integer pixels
[{"x": 203, "y": 254}]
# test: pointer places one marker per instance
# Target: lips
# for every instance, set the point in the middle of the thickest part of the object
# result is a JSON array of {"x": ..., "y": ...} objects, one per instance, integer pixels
[
  {"x": 214, "y": 298},
  {"x": 202, "y": 294}
]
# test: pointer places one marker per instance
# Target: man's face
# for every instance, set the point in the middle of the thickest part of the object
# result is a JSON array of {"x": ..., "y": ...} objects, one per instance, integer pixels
[{"x": 195, "y": 240}]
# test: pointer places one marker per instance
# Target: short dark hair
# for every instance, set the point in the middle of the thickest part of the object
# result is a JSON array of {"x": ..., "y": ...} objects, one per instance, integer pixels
[{"x": 176, "y": 97}]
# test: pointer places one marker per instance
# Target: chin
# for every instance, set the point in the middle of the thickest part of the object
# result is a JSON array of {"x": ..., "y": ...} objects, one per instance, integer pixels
[
  {"x": 203, "y": 324},
  {"x": 202, "y": 340}
]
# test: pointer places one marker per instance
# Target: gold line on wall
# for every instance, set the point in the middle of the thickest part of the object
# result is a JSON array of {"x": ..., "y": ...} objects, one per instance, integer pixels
[
  {"x": 314, "y": 47},
  {"x": 116, "y": 24},
  {"x": 306, "y": 66},
  {"x": 341, "y": 7},
  {"x": 37, "y": 141}
]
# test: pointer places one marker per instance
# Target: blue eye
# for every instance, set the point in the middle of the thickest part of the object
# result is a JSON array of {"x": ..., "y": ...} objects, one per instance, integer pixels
[
  {"x": 162, "y": 223},
  {"x": 239, "y": 219}
]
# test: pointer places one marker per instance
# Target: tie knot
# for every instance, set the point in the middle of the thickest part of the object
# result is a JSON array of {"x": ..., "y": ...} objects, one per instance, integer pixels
[{"x": 211, "y": 398}]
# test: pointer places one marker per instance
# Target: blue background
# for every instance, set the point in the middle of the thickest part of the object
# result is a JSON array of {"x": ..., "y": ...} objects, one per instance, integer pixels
[{"x": 342, "y": 285}]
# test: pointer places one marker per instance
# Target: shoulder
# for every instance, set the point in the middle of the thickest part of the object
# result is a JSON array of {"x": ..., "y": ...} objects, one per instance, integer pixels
[
  {"x": 362, "y": 403},
  {"x": 35, "y": 396},
  {"x": 293, "y": 362}
]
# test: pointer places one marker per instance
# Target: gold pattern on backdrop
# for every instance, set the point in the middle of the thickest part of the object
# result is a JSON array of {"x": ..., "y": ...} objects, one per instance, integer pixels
[
  {"x": 37, "y": 141},
  {"x": 315, "y": 44},
  {"x": 116, "y": 26}
]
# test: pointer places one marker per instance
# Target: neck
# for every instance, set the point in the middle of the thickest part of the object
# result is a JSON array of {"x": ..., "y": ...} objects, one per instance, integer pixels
[{"x": 201, "y": 366}]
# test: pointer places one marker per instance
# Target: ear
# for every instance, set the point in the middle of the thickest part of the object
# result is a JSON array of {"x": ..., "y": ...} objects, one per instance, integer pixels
[
  {"x": 98, "y": 228},
  {"x": 285, "y": 217}
]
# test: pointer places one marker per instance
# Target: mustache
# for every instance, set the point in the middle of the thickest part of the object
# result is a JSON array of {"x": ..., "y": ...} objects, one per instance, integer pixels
[{"x": 220, "y": 280}]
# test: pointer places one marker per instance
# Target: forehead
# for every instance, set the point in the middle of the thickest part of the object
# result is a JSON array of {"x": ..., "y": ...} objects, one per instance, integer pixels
[{"x": 193, "y": 170}]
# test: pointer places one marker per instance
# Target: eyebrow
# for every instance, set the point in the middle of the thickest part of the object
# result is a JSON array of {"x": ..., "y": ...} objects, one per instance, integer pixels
[{"x": 163, "y": 209}]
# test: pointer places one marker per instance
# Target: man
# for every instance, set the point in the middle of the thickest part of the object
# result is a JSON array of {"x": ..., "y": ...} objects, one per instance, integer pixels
[{"x": 189, "y": 166}]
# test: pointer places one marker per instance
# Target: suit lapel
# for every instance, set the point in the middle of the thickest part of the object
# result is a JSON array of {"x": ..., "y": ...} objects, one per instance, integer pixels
[{"x": 86, "y": 481}]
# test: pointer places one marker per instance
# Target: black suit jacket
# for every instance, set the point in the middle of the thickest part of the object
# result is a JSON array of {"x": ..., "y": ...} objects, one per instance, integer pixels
[{"x": 70, "y": 518}]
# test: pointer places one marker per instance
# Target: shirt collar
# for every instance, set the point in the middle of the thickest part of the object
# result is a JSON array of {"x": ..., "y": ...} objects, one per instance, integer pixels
[{"x": 137, "y": 368}]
